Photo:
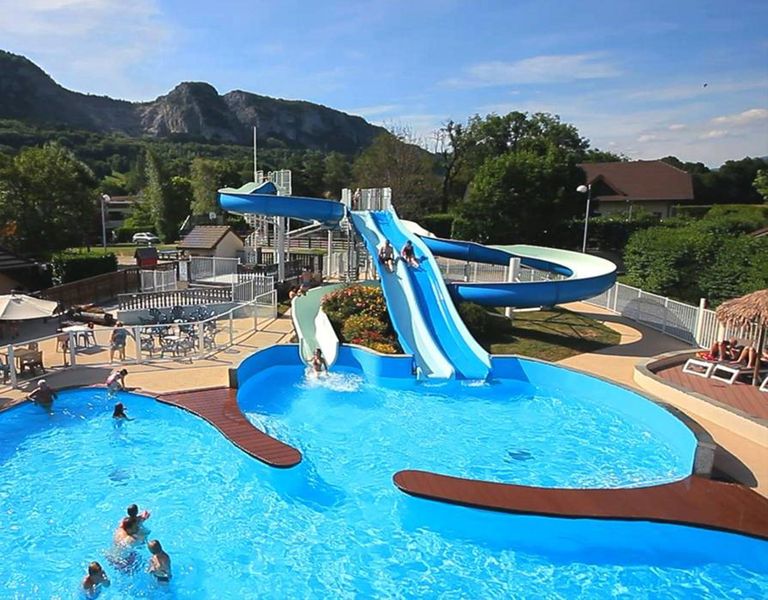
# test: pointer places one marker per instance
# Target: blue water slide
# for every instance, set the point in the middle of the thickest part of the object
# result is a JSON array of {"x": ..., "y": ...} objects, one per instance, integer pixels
[
  {"x": 434, "y": 304},
  {"x": 415, "y": 336},
  {"x": 261, "y": 199},
  {"x": 585, "y": 276}
]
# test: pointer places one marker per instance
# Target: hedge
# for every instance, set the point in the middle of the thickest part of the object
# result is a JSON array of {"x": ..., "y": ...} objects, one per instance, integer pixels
[
  {"x": 67, "y": 267},
  {"x": 441, "y": 224}
]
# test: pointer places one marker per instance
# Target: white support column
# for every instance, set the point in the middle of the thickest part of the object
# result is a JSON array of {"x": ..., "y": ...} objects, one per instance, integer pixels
[
  {"x": 231, "y": 329},
  {"x": 12, "y": 365},
  {"x": 328, "y": 255},
  {"x": 137, "y": 341},
  {"x": 280, "y": 249},
  {"x": 201, "y": 339},
  {"x": 512, "y": 273},
  {"x": 72, "y": 348},
  {"x": 700, "y": 321}
]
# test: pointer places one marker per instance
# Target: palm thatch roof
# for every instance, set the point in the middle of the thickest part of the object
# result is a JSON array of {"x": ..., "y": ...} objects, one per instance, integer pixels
[{"x": 749, "y": 309}]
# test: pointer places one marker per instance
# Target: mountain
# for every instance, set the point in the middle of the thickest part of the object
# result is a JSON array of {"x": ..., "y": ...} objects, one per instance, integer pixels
[{"x": 193, "y": 110}]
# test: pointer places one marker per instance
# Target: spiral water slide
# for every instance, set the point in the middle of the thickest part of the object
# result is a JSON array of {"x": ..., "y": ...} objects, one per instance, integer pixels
[{"x": 419, "y": 302}]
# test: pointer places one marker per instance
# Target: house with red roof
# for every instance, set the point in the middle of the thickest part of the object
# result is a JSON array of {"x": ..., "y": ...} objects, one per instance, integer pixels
[{"x": 651, "y": 185}]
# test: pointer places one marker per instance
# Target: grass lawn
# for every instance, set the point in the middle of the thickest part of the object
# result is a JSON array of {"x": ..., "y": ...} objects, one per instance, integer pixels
[
  {"x": 547, "y": 334},
  {"x": 122, "y": 249}
]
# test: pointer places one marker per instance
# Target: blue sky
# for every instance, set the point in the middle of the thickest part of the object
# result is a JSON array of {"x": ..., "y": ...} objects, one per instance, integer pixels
[{"x": 647, "y": 79}]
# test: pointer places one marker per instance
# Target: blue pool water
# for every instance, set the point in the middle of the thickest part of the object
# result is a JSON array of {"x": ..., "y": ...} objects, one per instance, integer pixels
[{"x": 335, "y": 526}]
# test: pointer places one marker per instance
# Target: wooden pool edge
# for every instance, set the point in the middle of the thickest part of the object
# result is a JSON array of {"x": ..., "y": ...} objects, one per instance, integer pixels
[
  {"x": 218, "y": 406},
  {"x": 693, "y": 501}
]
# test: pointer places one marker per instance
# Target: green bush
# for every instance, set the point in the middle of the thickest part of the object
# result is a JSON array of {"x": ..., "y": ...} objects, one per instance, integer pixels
[
  {"x": 476, "y": 318},
  {"x": 360, "y": 326},
  {"x": 354, "y": 300},
  {"x": 67, "y": 267},
  {"x": 440, "y": 224},
  {"x": 359, "y": 315}
]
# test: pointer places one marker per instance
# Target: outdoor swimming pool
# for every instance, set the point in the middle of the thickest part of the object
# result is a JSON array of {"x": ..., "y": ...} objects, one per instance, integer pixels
[{"x": 335, "y": 526}]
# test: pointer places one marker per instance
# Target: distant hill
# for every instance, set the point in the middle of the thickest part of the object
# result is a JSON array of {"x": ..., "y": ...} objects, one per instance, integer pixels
[{"x": 192, "y": 110}]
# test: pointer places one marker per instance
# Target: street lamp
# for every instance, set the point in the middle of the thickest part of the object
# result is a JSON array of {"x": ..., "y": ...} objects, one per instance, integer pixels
[
  {"x": 585, "y": 189},
  {"x": 104, "y": 199}
]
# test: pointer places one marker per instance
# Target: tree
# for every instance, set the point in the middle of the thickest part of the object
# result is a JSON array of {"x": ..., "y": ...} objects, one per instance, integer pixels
[
  {"x": 48, "y": 200},
  {"x": 337, "y": 175},
  {"x": 761, "y": 183},
  {"x": 484, "y": 138},
  {"x": 207, "y": 177},
  {"x": 518, "y": 197},
  {"x": 394, "y": 161}
]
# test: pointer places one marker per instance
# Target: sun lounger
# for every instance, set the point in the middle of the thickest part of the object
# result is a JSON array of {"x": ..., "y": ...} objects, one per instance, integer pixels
[
  {"x": 764, "y": 385},
  {"x": 730, "y": 372},
  {"x": 699, "y": 367}
]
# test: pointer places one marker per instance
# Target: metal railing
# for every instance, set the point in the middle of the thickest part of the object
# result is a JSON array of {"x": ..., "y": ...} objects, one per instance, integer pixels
[
  {"x": 695, "y": 325},
  {"x": 188, "y": 297},
  {"x": 145, "y": 343}
]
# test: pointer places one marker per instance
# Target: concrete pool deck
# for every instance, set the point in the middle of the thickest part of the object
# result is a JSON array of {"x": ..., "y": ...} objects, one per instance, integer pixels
[{"x": 740, "y": 457}]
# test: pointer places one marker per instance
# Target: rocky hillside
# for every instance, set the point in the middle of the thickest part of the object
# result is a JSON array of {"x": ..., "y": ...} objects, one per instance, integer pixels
[{"x": 191, "y": 109}]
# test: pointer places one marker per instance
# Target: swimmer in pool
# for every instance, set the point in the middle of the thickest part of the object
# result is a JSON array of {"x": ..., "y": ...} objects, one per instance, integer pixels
[
  {"x": 319, "y": 363},
  {"x": 95, "y": 579},
  {"x": 160, "y": 563},
  {"x": 129, "y": 532}
]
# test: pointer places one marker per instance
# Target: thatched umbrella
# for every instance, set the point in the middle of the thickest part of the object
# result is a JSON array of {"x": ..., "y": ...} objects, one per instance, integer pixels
[{"x": 748, "y": 310}]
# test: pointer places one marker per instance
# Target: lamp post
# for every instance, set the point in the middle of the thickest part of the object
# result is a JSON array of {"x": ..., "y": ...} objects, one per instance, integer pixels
[
  {"x": 585, "y": 189},
  {"x": 104, "y": 200}
]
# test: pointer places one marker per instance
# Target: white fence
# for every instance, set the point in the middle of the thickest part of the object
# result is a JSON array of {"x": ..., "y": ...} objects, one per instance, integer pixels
[
  {"x": 367, "y": 198},
  {"x": 695, "y": 325},
  {"x": 157, "y": 280},
  {"x": 248, "y": 286},
  {"x": 212, "y": 269}
]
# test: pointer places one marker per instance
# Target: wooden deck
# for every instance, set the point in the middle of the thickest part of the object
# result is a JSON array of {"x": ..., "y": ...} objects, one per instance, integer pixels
[
  {"x": 740, "y": 395},
  {"x": 219, "y": 407},
  {"x": 692, "y": 501}
]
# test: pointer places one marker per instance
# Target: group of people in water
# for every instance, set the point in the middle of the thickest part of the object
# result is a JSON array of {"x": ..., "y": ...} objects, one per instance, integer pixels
[
  {"x": 129, "y": 533},
  {"x": 407, "y": 254}
]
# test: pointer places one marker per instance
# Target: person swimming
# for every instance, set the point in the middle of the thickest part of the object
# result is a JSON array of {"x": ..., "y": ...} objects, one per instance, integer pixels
[
  {"x": 95, "y": 579},
  {"x": 119, "y": 412},
  {"x": 42, "y": 394},
  {"x": 160, "y": 562},
  {"x": 129, "y": 532},
  {"x": 319, "y": 363}
]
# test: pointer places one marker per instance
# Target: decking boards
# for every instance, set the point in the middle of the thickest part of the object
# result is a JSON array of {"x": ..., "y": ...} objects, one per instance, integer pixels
[
  {"x": 219, "y": 407},
  {"x": 692, "y": 501}
]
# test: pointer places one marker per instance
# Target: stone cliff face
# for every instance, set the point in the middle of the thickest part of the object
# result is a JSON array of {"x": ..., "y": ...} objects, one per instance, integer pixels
[{"x": 191, "y": 109}]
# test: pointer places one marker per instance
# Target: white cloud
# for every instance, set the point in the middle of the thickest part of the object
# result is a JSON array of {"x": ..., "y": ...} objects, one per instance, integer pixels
[
  {"x": 557, "y": 68},
  {"x": 676, "y": 127},
  {"x": 648, "y": 137},
  {"x": 747, "y": 117},
  {"x": 713, "y": 134},
  {"x": 88, "y": 45},
  {"x": 368, "y": 112}
]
